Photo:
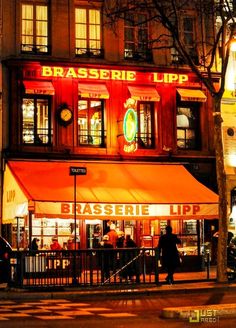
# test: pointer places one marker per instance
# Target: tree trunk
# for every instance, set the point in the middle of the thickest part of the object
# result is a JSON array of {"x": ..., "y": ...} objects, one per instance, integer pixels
[{"x": 221, "y": 181}]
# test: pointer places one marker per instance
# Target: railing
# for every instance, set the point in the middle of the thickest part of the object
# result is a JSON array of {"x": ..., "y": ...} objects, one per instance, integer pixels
[
  {"x": 89, "y": 52},
  {"x": 93, "y": 267},
  {"x": 90, "y": 267}
]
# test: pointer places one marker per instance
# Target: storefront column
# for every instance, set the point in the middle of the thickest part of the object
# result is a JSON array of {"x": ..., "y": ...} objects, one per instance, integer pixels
[{"x": 30, "y": 227}]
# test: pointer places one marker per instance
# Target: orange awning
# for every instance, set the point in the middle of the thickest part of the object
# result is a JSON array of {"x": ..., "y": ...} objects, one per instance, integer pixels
[
  {"x": 144, "y": 93},
  {"x": 93, "y": 91},
  {"x": 42, "y": 88},
  {"x": 192, "y": 95},
  {"x": 125, "y": 190}
]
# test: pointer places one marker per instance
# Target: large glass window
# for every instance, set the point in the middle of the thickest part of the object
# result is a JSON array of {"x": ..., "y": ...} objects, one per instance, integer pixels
[
  {"x": 187, "y": 121},
  {"x": 87, "y": 32},
  {"x": 35, "y": 121},
  {"x": 136, "y": 37},
  {"x": 145, "y": 124},
  {"x": 91, "y": 123},
  {"x": 34, "y": 28}
]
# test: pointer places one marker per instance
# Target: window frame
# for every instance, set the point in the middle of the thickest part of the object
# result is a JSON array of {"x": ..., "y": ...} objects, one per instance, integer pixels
[
  {"x": 146, "y": 135},
  {"x": 195, "y": 108},
  {"x": 35, "y": 47},
  {"x": 88, "y": 51},
  {"x": 176, "y": 58},
  {"x": 49, "y": 133},
  {"x": 137, "y": 53},
  {"x": 89, "y": 134}
]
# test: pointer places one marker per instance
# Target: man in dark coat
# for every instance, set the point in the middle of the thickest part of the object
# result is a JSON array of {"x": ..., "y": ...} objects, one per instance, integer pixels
[
  {"x": 106, "y": 258},
  {"x": 168, "y": 250}
]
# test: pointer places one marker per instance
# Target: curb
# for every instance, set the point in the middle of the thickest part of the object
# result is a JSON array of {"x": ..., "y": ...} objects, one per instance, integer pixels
[{"x": 115, "y": 291}]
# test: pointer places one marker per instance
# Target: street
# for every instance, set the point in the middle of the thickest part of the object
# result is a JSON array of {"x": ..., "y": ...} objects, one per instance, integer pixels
[{"x": 139, "y": 311}]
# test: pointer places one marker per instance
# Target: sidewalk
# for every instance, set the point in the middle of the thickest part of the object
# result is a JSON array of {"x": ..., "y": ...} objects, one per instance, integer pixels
[
  {"x": 116, "y": 290},
  {"x": 196, "y": 313}
]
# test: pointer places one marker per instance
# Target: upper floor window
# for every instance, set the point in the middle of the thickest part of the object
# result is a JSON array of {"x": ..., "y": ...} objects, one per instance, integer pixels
[
  {"x": 91, "y": 129},
  {"x": 187, "y": 122},
  {"x": 35, "y": 121},
  {"x": 34, "y": 28},
  {"x": 145, "y": 133},
  {"x": 136, "y": 37},
  {"x": 88, "y": 32},
  {"x": 188, "y": 36}
]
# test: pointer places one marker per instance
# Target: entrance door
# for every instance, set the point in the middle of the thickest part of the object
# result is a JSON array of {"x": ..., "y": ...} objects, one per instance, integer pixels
[{"x": 94, "y": 232}]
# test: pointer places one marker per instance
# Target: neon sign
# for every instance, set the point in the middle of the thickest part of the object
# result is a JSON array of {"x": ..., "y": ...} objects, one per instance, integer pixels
[
  {"x": 130, "y": 125},
  {"x": 111, "y": 74}
]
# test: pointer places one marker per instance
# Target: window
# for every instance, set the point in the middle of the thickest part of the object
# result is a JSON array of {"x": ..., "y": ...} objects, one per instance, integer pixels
[
  {"x": 34, "y": 32},
  {"x": 91, "y": 123},
  {"x": 35, "y": 121},
  {"x": 145, "y": 124},
  {"x": 136, "y": 37},
  {"x": 88, "y": 32},
  {"x": 187, "y": 122},
  {"x": 188, "y": 37}
]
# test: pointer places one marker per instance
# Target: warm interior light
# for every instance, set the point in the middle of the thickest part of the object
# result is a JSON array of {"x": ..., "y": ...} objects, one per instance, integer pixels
[{"x": 233, "y": 44}]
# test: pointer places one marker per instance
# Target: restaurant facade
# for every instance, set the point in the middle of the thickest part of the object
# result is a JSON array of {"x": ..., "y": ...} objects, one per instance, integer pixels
[
  {"x": 136, "y": 136},
  {"x": 101, "y": 126}
]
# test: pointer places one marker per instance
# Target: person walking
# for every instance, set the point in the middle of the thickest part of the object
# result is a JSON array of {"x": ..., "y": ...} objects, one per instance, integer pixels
[
  {"x": 129, "y": 259},
  {"x": 106, "y": 257},
  {"x": 168, "y": 250}
]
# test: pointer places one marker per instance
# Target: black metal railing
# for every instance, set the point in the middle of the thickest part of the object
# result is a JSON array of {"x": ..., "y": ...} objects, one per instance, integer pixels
[
  {"x": 92, "y": 137},
  {"x": 98, "y": 267},
  {"x": 92, "y": 267},
  {"x": 89, "y": 52},
  {"x": 39, "y": 49}
]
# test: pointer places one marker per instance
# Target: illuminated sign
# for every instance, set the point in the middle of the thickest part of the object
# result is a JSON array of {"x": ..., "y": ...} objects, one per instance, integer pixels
[
  {"x": 111, "y": 74},
  {"x": 88, "y": 73},
  {"x": 170, "y": 78},
  {"x": 104, "y": 210},
  {"x": 130, "y": 125}
]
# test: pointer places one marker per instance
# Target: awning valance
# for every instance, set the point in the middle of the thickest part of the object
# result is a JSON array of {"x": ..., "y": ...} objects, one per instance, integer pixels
[
  {"x": 41, "y": 88},
  {"x": 122, "y": 190},
  {"x": 144, "y": 93},
  {"x": 192, "y": 95},
  {"x": 93, "y": 91}
]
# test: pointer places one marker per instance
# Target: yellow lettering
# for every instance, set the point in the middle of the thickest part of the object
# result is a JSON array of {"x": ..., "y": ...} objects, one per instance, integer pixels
[
  {"x": 93, "y": 74},
  {"x": 46, "y": 71},
  {"x": 183, "y": 78},
  {"x": 115, "y": 75},
  {"x": 118, "y": 210},
  {"x": 108, "y": 209},
  {"x": 58, "y": 71},
  {"x": 71, "y": 72},
  {"x": 97, "y": 209},
  {"x": 157, "y": 77},
  {"x": 87, "y": 209},
  {"x": 82, "y": 73},
  {"x": 129, "y": 210},
  {"x": 131, "y": 76},
  {"x": 145, "y": 210},
  {"x": 173, "y": 77},
  {"x": 104, "y": 74}
]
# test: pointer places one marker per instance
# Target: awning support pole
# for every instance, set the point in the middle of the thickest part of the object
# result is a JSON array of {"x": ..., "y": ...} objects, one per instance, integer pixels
[{"x": 74, "y": 282}]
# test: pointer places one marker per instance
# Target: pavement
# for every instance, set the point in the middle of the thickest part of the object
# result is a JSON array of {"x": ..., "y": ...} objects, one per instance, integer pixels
[{"x": 196, "y": 314}]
